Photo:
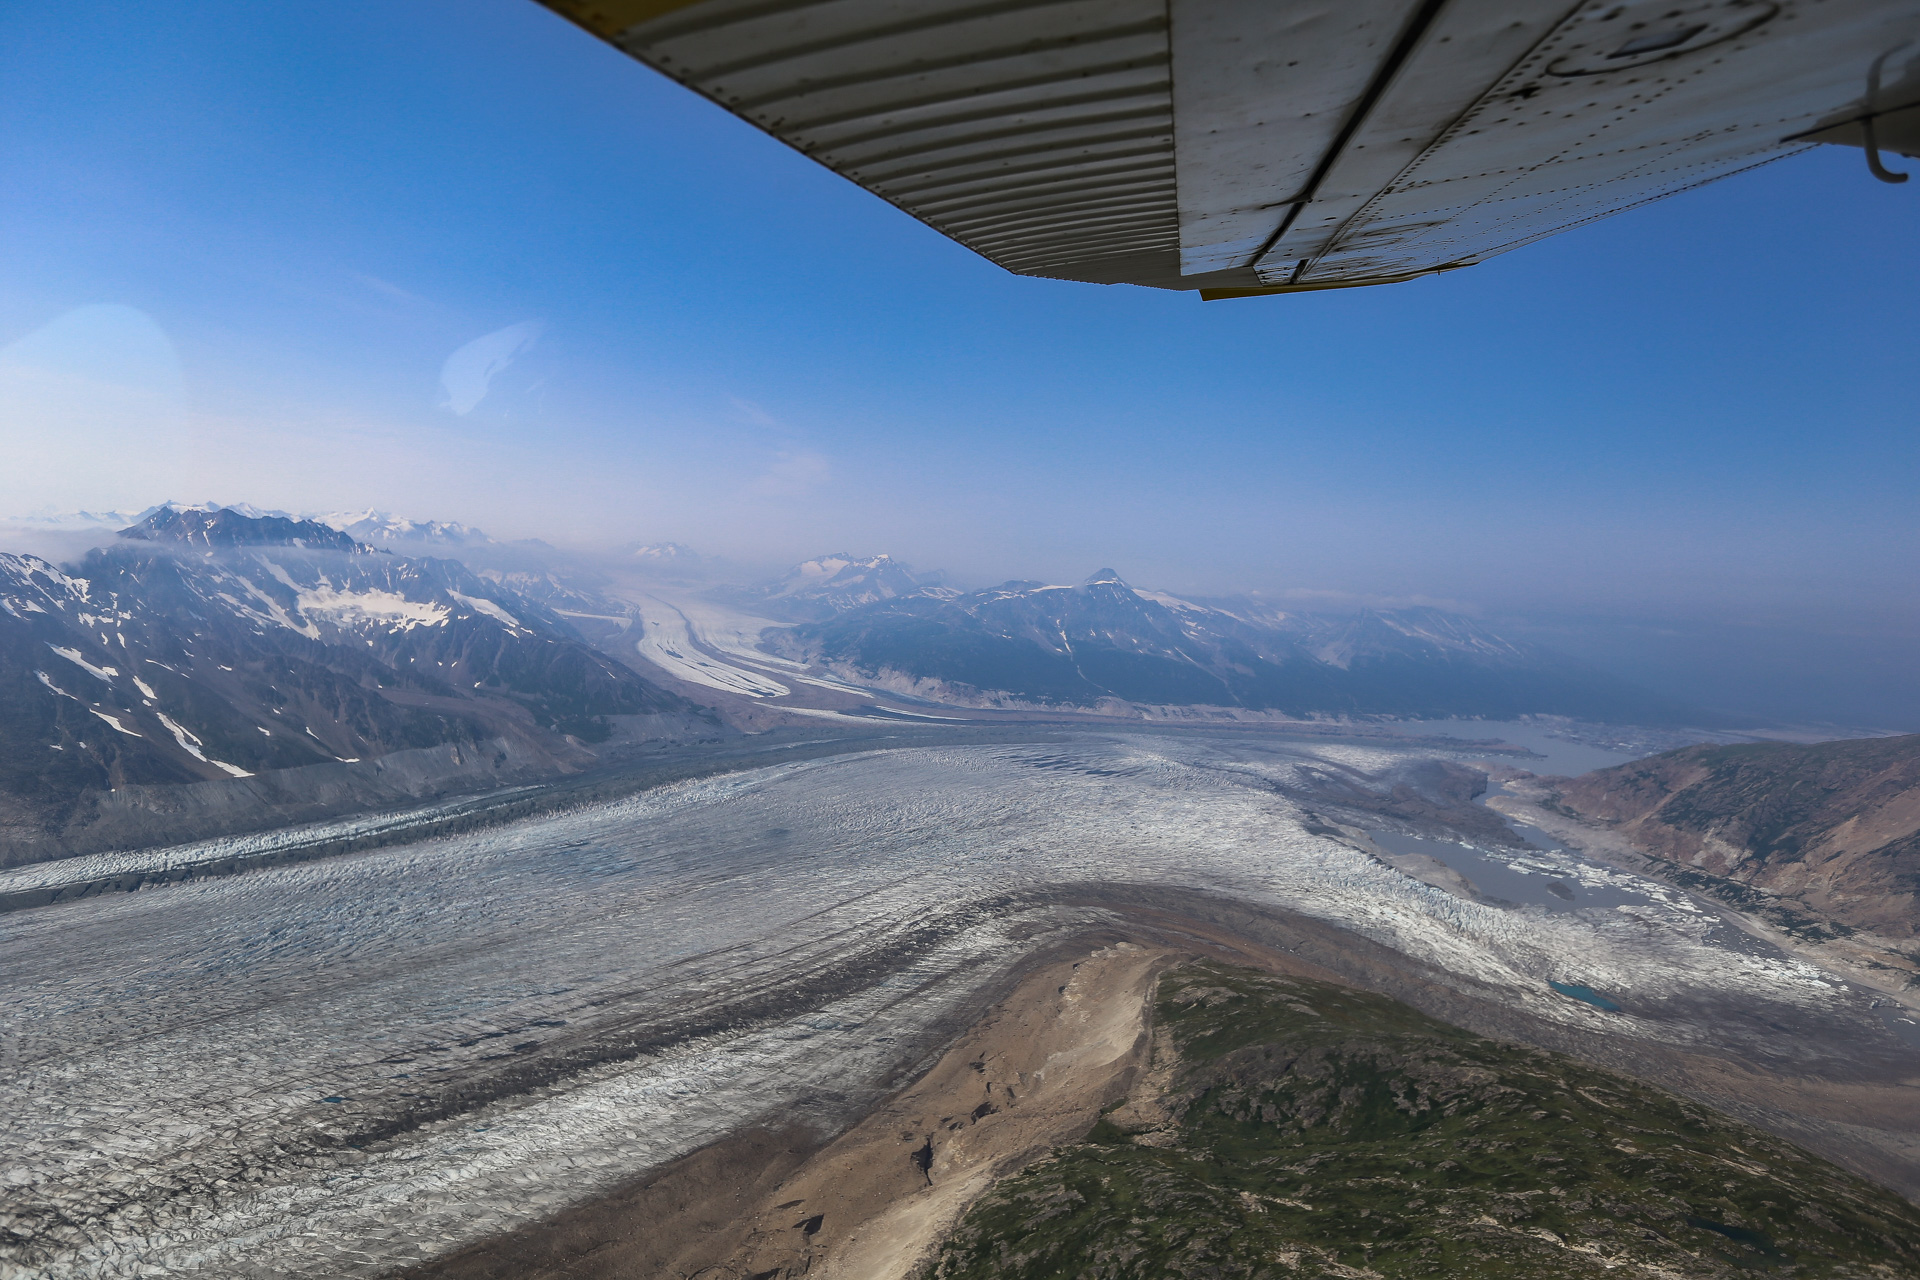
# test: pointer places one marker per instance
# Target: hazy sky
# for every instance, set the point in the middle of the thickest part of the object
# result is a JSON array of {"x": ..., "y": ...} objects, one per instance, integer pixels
[{"x": 461, "y": 261}]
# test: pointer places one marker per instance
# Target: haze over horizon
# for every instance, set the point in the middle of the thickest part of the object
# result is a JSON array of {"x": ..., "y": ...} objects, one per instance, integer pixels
[{"x": 486, "y": 270}]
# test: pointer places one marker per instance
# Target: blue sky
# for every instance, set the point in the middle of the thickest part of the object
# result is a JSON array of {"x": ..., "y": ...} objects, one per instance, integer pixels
[{"x": 244, "y": 241}]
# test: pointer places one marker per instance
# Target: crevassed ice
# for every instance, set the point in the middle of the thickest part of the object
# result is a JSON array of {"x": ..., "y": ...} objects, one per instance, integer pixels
[
  {"x": 177, "y": 1055},
  {"x": 666, "y": 640}
]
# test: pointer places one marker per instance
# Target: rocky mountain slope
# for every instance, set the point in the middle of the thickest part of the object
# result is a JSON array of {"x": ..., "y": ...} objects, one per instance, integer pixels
[
  {"x": 1832, "y": 828},
  {"x": 1290, "y": 1128},
  {"x": 207, "y": 645},
  {"x": 1103, "y": 640}
]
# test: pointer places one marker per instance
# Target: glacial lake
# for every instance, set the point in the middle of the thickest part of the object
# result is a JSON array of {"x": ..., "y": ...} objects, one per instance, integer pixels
[
  {"x": 1559, "y": 757},
  {"x": 1524, "y": 880}
]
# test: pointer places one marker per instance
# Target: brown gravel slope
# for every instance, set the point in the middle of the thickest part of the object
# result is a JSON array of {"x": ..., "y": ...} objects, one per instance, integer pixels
[{"x": 1832, "y": 826}]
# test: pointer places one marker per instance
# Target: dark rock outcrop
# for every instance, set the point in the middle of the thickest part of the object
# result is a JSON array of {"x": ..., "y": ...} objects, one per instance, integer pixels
[{"x": 209, "y": 647}]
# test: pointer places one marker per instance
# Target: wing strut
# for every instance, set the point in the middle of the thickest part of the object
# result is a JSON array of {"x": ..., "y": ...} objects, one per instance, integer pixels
[{"x": 1874, "y": 166}]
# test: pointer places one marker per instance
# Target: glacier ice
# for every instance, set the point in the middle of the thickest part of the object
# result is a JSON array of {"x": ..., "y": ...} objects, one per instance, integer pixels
[{"x": 334, "y": 1067}]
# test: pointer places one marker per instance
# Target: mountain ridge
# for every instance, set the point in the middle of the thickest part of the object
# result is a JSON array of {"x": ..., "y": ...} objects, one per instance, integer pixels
[
  {"x": 1300, "y": 1128},
  {"x": 374, "y": 527},
  {"x": 209, "y": 527},
  {"x": 827, "y": 585},
  {"x": 1106, "y": 641},
  {"x": 208, "y": 645},
  {"x": 1831, "y": 828}
]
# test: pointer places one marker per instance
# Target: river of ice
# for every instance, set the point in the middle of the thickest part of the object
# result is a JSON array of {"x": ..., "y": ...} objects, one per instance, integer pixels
[{"x": 180, "y": 1063}]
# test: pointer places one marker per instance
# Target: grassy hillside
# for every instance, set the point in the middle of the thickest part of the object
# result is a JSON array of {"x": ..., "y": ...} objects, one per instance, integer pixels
[{"x": 1298, "y": 1129}]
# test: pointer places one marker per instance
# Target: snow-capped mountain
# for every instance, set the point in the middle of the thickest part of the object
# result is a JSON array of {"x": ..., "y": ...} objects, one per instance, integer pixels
[
  {"x": 673, "y": 562},
  {"x": 246, "y": 509},
  {"x": 212, "y": 527},
  {"x": 1043, "y": 644},
  {"x": 208, "y": 644},
  {"x": 1339, "y": 639},
  {"x": 78, "y": 521},
  {"x": 675, "y": 555},
  {"x": 383, "y": 529},
  {"x": 826, "y": 585}
]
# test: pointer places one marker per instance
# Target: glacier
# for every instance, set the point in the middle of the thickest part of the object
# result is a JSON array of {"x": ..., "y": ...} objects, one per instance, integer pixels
[{"x": 338, "y": 1067}]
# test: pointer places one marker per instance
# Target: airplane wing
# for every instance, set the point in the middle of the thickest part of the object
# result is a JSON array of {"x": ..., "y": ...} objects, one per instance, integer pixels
[{"x": 1266, "y": 146}]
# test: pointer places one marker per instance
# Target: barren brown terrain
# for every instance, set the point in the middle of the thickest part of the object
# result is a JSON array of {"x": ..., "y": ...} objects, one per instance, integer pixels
[
  {"x": 1816, "y": 846},
  {"x": 1834, "y": 826},
  {"x": 1072, "y": 1040},
  {"x": 1035, "y": 1072}
]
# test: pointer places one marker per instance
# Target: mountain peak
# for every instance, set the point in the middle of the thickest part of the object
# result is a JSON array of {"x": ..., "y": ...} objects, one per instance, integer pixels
[
  {"x": 840, "y": 580},
  {"x": 842, "y": 568},
  {"x": 675, "y": 553},
  {"x": 372, "y": 527},
  {"x": 226, "y": 527},
  {"x": 1104, "y": 577}
]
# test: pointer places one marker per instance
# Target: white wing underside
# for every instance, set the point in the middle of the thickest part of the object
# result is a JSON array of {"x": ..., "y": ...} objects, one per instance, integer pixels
[{"x": 1280, "y": 144}]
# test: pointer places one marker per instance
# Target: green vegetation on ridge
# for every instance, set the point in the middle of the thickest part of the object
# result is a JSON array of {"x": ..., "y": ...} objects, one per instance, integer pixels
[{"x": 1299, "y": 1129}]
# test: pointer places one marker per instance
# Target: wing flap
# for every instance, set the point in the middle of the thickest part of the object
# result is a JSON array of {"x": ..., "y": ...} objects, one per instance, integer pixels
[{"x": 1038, "y": 133}]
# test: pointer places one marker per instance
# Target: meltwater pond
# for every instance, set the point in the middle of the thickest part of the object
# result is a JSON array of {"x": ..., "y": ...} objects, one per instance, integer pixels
[
  {"x": 1550, "y": 753},
  {"x": 1553, "y": 880},
  {"x": 336, "y": 1067}
]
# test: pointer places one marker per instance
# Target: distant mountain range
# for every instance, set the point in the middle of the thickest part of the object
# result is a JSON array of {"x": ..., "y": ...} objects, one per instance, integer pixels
[
  {"x": 869, "y": 620},
  {"x": 817, "y": 589},
  {"x": 378, "y": 528},
  {"x": 208, "y": 644},
  {"x": 1103, "y": 641},
  {"x": 668, "y": 554},
  {"x": 222, "y": 527}
]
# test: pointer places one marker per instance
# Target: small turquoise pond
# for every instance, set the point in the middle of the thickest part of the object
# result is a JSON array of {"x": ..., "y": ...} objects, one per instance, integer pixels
[{"x": 1587, "y": 994}]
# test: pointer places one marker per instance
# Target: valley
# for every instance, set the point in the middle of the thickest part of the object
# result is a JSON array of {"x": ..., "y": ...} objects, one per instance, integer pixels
[
  {"x": 243, "y": 1075},
  {"x": 552, "y": 889},
  {"x": 212, "y": 671}
]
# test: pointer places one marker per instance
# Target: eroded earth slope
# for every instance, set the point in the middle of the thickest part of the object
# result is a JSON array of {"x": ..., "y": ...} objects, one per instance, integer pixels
[
  {"x": 1822, "y": 839},
  {"x": 1834, "y": 824}
]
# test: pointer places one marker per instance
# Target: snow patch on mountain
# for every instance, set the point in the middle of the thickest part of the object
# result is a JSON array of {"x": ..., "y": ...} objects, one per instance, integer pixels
[
  {"x": 389, "y": 609},
  {"x": 480, "y": 604},
  {"x": 115, "y": 722},
  {"x": 47, "y": 680},
  {"x": 73, "y": 655},
  {"x": 191, "y": 744}
]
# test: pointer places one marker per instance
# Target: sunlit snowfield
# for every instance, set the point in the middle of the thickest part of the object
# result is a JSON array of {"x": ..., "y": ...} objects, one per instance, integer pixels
[{"x": 181, "y": 1063}]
